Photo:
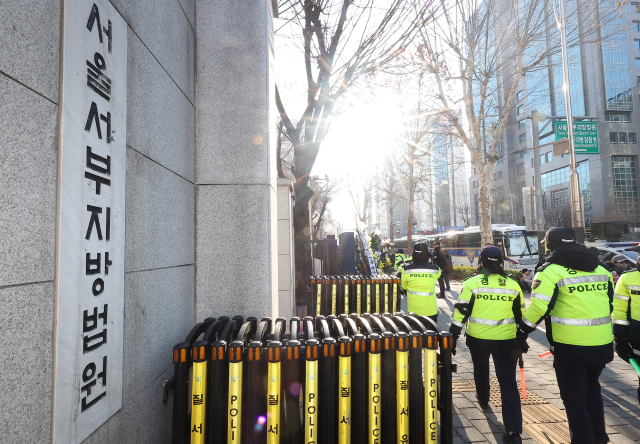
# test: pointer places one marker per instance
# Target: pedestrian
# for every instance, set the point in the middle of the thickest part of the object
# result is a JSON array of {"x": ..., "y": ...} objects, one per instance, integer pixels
[
  {"x": 626, "y": 314},
  {"x": 419, "y": 281},
  {"x": 621, "y": 264},
  {"x": 573, "y": 294},
  {"x": 399, "y": 260},
  {"x": 440, "y": 260},
  {"x": 449, "y": 269},
  {"x": 491, "y": 304},
  {"x": 525, "y": 280}
]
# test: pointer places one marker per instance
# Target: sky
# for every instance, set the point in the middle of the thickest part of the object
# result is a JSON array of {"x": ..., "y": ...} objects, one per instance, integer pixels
[{"x": 359, "y": 136}]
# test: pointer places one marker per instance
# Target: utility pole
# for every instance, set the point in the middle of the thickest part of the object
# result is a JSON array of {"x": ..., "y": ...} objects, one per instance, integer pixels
[
  {"x": 577, "y": 219},
  {"x": 535, "y": 133}
]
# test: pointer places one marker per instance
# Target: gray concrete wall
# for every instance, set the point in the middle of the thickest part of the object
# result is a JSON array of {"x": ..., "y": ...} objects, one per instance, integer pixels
[
  {"x": 286, "y": 257},
  {"x": 160, "y": 212},
  {"x": 200, "y": 178},
  {"x": 236, "y": 230},
  {"x": 29, "y": 66}
]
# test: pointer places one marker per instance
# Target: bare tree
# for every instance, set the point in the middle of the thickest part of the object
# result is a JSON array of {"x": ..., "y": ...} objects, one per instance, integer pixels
[
  {"x": 323, "y": 195},
  {"x": 478, "y": 54},
  {"x": 388, "y": 188},
  {"x": 284, "y": 152},
  {"x": 462, "y": 203},
  {"x": 414, "y": 147},
  {"x": 342, "y": 41},
  {"x": 361, "y": 190}
]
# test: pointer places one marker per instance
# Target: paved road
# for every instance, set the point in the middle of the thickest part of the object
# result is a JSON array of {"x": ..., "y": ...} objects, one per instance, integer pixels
[{"x": 471, "y": 424}]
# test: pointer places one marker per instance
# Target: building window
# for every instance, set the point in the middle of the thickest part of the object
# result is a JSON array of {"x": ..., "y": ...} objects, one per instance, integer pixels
[
  {"x": 622, "y": 138},
  {"x": 637, "y": 62},
  {"x": 635, "y": 7},
  {"x": 636, "y": 45},
  {"x": 475, "y": 184},
  {"x": 617, "y": 117},
  {"x": 617, "y": 72},
  {"x": 625, "y": 189},
  {"x": 519, "y": 96},
  {"x": 520, "y": 109},
  {"x": 522, "y": 138},
  {"x": 546, "y": 157},
  {"x": 521, "y": 169},
  {"x": 635, "y": 26},
  {"x": 559, "y": 197},
  {"x": 521, "y": 124},
  {"x": 497, "y": 175}
]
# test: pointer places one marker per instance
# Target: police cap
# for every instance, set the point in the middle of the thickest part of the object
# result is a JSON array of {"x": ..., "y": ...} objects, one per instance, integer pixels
[
  {"x": 421, "y": 247},
  {"x": 493, "y": 254},
  {"x": 559, "y": 236}
]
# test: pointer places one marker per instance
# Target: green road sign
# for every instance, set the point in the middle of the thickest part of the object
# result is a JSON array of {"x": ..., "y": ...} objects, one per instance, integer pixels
[{"x": 585, "y": 135}]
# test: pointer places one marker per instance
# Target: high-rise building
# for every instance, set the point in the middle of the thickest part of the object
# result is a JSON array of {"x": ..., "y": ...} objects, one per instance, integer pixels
[{"x": 601, "y": 69}]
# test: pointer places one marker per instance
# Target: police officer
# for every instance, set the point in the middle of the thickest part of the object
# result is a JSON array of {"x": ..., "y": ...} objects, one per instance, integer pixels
[
  {"x": 492, "y": 305},
  {"x": 419, "y": 281},
  {"x": 626, "y": 314},
  {"x": 399, "y": 261},
  {"x": 573, "y": 293}
]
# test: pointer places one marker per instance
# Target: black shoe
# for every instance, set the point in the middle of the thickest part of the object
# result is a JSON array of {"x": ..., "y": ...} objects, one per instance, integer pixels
[
  {"x": 483, "y": 405},
  {"x": 513, "y": 438},
  {"x": 448, "y": 289},
  {"x": 441, "y": 296}
]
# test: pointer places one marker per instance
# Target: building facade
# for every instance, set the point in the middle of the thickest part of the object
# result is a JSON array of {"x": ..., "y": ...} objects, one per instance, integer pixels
[
  {"x": 604, "y": 74},
  {"x": 189, "y": 190}
]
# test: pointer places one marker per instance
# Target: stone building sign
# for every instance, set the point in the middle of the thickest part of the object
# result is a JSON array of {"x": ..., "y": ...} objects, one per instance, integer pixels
[{"x": 90, "y": 220}]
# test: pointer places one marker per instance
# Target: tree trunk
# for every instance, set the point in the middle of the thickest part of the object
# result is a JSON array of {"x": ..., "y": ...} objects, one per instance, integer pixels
[
  {"x": 302, "y": 246},
  {"x": 484, "y": 197}
]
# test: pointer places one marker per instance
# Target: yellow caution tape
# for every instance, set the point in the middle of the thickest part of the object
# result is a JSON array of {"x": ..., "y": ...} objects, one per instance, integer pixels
[
  {"x": 393, "y": 300},
  {"x": 234, "y": 413},
  {"x": 273, "y": 403},
  {"x": 198, "y": 401},
  {"x": 402, "y": 396},
  {"x": 319, "y": 299},
  {"x": 346, "y": 298},
  {"x": 375, "y": 394},
  {"x": 344, "y": 400},
  {"x": 431, "y": 396},
  {"x": 311, "y": 403}
]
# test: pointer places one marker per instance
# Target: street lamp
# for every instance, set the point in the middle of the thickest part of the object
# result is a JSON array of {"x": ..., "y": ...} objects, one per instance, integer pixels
[{"x": 577, "y": 219}]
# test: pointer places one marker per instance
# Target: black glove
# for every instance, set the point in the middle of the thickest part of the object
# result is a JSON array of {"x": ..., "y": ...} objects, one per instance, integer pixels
[
  {"x": 465, "y": 309},
  {"x": 522, "y": 340},
  {"x": 622, "y": 348},
  {"x": 455, "y": 342}
]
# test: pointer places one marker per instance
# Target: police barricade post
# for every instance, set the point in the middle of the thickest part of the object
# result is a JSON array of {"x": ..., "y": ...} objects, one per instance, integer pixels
[{"x": 361, "y": 378}]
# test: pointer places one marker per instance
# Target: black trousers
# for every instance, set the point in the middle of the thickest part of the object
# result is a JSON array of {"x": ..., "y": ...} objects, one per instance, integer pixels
[
  {"x": 580, "y": 393},
  {"x": 441, "y": 284},
  {"x": 505, "y": 355}
]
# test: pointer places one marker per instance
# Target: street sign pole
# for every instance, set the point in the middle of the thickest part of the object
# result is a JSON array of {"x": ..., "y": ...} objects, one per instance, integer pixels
[{"x": 576, "y": 209}]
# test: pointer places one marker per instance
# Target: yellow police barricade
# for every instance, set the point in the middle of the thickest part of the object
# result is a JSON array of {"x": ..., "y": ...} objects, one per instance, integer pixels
[
  {"x": 359, "y": 295},
  {"x": 361, "y": 379}
]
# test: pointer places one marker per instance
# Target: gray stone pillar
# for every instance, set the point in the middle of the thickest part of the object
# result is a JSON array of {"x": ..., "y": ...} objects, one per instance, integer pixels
[
  {"x": 236, "y": 201},
  {"x": 286, "y": 257}
]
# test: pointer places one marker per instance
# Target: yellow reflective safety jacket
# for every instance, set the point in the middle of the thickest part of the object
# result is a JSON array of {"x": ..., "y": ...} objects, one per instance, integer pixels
[
  {"x": 399, "y": 265},
  {"x": 576, "y": 306},
  {"x": 419, "y": 281},
  {"x": 495, "y": 304},
  {"x": 626, "y": 308}
]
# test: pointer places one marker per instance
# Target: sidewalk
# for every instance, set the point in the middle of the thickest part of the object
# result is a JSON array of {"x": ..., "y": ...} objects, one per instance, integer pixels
[{"x": 472, "y": 425}]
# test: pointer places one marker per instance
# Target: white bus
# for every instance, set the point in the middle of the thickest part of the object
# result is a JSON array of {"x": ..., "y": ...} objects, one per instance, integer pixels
[{"x": 516, "y": 243}]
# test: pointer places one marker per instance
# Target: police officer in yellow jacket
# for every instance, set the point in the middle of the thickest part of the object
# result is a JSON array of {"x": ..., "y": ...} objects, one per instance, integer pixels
[
  {"x": 492, "y": 304},
  {"x": 573, "y": 293},
  {"x": 399, "y": 260},
  {"x": 419, "y": 281},
  {"x": 626, "y": 314}
]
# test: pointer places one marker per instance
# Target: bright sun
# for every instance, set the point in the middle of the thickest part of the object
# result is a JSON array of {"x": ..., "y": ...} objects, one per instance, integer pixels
[{"x": 356, "y": 146}]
